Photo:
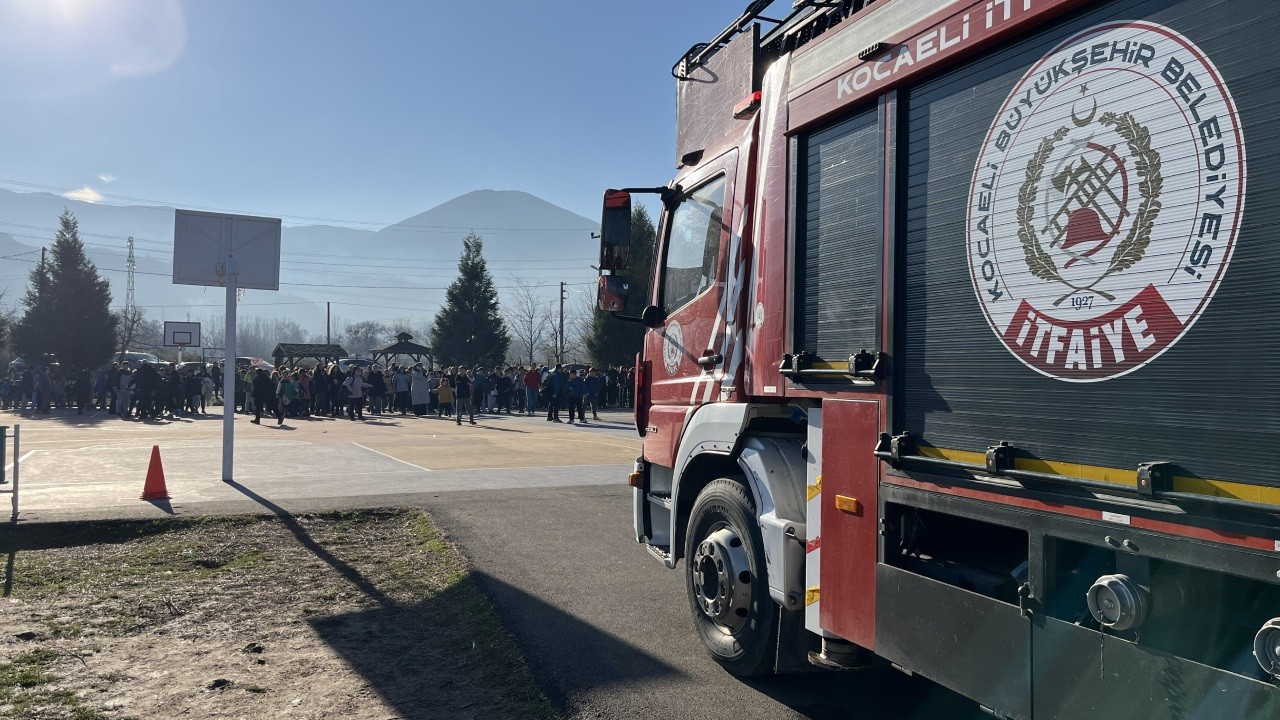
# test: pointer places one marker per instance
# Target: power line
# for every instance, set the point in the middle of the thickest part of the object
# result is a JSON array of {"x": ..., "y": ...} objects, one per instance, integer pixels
[
  {"x": 400, "y": 261},
  {"x": 323, "y": 285}
]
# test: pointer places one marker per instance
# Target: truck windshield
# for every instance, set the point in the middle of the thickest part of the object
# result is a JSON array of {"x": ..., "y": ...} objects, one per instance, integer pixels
[{"x": 693, "y": 244}]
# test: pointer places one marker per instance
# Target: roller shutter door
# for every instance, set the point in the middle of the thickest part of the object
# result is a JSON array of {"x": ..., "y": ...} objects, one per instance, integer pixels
[
  {"x": 840, "y": 200},
  {"x": 1207, "y": 402}
]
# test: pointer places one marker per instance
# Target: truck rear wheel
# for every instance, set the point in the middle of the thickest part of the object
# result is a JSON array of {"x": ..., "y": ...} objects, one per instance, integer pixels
[{"x": 726, "y": 580}]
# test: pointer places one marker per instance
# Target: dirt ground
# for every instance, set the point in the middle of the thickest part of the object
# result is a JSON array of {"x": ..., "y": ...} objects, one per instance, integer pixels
[{"x": 352, "y": 614}]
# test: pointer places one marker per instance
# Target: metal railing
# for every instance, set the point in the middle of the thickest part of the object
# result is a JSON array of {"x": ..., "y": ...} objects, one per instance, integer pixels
[{"x": 5, "y": 485}]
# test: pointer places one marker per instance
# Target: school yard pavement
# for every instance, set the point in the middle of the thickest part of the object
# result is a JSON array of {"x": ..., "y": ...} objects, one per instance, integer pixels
[
  {"x": 540, "y": 509},
  {"x": 94, "y": 465}
]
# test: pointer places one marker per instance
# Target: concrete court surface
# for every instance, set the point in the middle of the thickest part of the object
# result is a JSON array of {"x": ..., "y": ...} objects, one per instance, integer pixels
[{"x": 94, "y": 465}]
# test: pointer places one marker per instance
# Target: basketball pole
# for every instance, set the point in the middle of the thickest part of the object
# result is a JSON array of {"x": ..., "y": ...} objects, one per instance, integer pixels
[{"x": 229, "y": 372}]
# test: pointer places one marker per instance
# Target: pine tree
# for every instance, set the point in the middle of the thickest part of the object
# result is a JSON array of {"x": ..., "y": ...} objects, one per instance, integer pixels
[
  {"x": 68, "y": 306},
  {"x": 615, "y": 342},
  {"x": 33, "y": 333},
  {"x": 469, "y": 330}
]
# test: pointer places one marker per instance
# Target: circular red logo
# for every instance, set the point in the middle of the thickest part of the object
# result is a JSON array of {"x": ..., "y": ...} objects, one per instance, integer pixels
[{"x": 1105, "y": 202}]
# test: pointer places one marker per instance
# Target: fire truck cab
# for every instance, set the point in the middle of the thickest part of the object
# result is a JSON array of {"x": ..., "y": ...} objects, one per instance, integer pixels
[{"x": 962, "y": 346}]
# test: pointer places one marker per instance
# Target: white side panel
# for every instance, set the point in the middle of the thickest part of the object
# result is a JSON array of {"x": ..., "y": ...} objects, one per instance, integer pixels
[{"x": 813, "y": 521}]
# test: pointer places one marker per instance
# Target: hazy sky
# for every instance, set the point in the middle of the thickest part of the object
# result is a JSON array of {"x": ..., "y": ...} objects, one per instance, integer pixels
[{"x": 348, "y": 110}]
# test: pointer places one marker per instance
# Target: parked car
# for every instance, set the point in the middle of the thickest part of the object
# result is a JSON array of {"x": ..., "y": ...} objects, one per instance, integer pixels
[
  {"x": 345, "y": 364},
  {"x": 134, "y": 357},
  {"x": 253, "y": 362}
]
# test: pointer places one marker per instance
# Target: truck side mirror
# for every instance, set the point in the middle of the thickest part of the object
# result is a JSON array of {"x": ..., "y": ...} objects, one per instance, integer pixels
[
  {"x": 653, "y": 316},
  {"x": 615, "y": 231},
  {"x": 612, "y": 292}
]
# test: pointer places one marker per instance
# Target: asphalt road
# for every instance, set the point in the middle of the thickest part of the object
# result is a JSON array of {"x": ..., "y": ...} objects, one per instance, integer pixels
[
  {"x": 540, "y": 509},
  {"x": 606, "y": 628}
]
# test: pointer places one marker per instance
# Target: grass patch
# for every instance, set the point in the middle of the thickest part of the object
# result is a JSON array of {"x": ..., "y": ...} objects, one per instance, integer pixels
[
  {"x": 28, "y": 690},
  {"x": 325, "y": 607},
  {"x": 25, "y": 671}
]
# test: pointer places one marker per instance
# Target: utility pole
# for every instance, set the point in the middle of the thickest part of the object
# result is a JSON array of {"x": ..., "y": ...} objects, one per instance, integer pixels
[
  {"x": 40, "y": 289},
  {"x": 130, "y": 267},
  {"x": 130, "y": 310},
  {"x": 327, "y": 339},
  {"x": 560, "y": 340}
]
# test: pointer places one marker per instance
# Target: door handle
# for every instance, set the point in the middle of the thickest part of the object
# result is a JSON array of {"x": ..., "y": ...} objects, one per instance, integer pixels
[{"x": 715, "y": 359}]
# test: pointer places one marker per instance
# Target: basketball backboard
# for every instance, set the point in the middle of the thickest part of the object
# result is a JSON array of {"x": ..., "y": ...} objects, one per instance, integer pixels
[
  {"x": 181, "y": 334},
  {"x": 202, "y": 243}
]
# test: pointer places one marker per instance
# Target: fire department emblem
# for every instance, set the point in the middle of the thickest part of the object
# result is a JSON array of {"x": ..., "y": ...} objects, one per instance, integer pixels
[
  {"x": 672, "y": 347},
  {"x": 1105, "y": 202}
]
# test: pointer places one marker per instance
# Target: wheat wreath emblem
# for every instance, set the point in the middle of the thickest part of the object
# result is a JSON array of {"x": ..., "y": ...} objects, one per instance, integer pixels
[{"x": 1134, "y": 245}]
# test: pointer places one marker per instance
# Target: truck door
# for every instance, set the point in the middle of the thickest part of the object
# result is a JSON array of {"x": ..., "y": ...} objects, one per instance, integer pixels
[{"x": 690, "y": 289}]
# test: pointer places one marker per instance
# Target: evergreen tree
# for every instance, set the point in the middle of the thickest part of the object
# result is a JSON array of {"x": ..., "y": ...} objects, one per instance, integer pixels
[
  {"x": 33, "y": 333},
  {"x": 469, "y": 330},
  {"x": 615, "y": 342},
  {"x": 68, "y": 306}
]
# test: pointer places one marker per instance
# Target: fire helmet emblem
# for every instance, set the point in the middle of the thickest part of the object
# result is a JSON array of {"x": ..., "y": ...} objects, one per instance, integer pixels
[{"x": 1105, "y": 202}]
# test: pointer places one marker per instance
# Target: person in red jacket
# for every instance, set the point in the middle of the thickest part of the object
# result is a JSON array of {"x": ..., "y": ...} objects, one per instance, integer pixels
[{"x": 532, "y": 381}]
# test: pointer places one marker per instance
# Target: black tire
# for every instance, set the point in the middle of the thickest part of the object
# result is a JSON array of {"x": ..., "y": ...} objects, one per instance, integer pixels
[{"x": 749, "y": 650}]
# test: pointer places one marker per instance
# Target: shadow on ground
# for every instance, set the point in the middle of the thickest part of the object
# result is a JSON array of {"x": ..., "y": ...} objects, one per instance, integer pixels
[
  {"x": 92, "y": 418},
  {"x": 572, "y": 660},
  {"x": 403, "y": 650},
  {"x": 400, "y": 650}
]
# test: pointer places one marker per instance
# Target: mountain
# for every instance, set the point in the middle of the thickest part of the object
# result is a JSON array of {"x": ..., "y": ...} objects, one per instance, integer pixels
[
  {"x": 521, "y": 232},
  {"x": 395, "y": 273}
]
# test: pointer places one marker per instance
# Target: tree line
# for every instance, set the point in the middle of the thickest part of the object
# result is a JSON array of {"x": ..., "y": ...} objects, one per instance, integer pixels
[{"x": 66, "y": 317}]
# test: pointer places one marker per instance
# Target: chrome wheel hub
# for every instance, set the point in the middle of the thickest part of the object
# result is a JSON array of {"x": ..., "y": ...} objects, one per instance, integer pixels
[{"x": 722, "y": 578}]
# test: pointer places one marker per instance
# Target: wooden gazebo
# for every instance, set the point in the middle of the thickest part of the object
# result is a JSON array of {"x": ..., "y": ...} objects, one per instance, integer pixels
[
  {"x": 288, "y": 353},
  {"x": 404, "y": 345}
]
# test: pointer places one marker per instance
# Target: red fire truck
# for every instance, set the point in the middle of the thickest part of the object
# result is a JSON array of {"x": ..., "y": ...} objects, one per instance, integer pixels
[{"x": 962, "y": 345}]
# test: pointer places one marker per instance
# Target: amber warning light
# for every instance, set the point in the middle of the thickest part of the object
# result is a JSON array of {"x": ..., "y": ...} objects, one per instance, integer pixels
[{"x": 747, "y": 105}]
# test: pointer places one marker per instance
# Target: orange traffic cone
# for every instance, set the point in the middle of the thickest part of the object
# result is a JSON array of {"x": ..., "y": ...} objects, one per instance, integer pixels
[{"x": 154, "y": 488}]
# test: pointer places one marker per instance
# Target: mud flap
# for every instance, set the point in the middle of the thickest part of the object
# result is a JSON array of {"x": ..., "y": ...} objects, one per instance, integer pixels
[{"x": 794, "y": 643}]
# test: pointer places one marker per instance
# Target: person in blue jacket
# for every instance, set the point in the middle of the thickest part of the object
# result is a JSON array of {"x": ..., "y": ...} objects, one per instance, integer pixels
[
  {"x": 577, "y": 388},
  {"x": 592, "y": 397}
]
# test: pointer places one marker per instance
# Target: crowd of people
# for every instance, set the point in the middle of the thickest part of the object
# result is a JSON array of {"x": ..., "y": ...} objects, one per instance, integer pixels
[
  {"x": 455, "y": 392},
  {"x": 150, "y": 390},
  {"x": 328, "y": 390}
]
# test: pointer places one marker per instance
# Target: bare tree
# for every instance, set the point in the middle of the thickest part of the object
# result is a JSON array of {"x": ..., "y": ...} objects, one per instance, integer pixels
[
  {"x": 127, "y": 327},
  {"x": 579, "y": 312},
  {"x": 365, "y": 336},
  {"x": 578, "y": 326},
  {"x": 527, "y": 312}
]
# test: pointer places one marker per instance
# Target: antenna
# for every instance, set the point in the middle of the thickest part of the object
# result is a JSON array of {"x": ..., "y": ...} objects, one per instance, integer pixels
[{"x": 129, "y": 266}]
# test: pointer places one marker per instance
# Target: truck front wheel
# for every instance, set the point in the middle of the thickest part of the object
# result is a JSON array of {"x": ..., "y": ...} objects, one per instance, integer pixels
[{"x": 726, "y": 580}]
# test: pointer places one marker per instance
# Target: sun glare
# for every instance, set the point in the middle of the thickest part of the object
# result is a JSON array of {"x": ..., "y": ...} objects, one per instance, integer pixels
[{"x": 65, "y": 46}]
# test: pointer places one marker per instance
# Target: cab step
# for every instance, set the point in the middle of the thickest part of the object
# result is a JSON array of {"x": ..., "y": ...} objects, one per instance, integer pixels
[
  {"x": 662, "y": 552},
  {"x": 841, "y": 655}
]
